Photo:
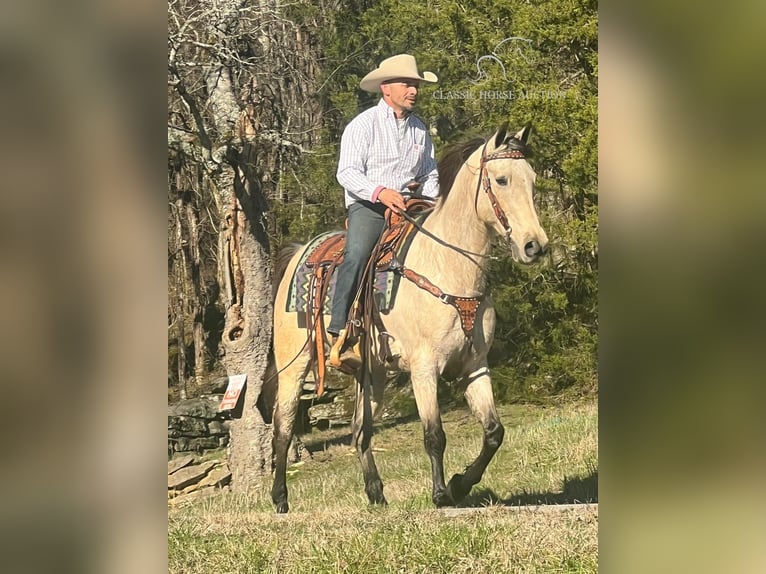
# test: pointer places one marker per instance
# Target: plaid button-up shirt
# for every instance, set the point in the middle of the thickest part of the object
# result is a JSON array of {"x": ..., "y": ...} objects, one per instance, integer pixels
[{"x": 373, "y": 156}]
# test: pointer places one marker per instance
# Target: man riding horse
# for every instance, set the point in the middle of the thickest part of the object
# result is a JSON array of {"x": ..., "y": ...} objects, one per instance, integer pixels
[{"x": 385, "y": 151}]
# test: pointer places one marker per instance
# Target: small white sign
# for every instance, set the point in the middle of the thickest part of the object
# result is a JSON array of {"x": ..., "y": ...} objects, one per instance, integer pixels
[{"x": 230, "y": 398}]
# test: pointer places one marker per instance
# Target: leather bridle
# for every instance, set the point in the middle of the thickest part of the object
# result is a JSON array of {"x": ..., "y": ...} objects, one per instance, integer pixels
[{"x": 484, "y": 182}]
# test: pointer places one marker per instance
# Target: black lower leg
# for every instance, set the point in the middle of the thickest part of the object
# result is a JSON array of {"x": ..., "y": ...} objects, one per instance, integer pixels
[
  {"x": 460, "y": 484},
  {"x": 435, "y": 443},
  {"x": 279, "y": 487},
  {"x": 373, "y": 485}
]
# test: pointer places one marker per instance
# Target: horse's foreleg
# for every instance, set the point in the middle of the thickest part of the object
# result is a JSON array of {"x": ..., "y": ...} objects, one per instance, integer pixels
[
  {"x": 285, "y": 411},
  {"x": 482, "y": 403},
  {"x": 434, "y": 439},
  {"x": 362, "y": 427}
]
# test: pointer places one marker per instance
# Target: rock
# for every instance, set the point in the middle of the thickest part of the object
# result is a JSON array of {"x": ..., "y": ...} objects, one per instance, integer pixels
[
  {"x": 200, "y": 407},
  {"x": 179, "y": 462},
  {"x": 189, "y": 475},
  {"x": 187, "y": 426},
  {"x": 203, "y": 443},
  {"x": 336, "y": 413},
  {"x": 218, "y": 386},
  {"x": 198, "y": 445},
  {"x": 215, "y": 427},
  {"x": 335, "y": 385},
  {"x": 180, "y": 444},
  {"x": 217, "y": 477},
  {"x": 187, "y": 489},
  {"x": 191, "y": 496},
  {"x": 195, "y": 425}
]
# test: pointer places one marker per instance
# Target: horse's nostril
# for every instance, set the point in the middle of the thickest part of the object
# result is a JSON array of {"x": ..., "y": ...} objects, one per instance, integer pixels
[{"x": 532, "y": 248}]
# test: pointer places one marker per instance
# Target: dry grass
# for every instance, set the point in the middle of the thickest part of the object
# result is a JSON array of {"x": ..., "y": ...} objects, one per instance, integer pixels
[{"x": 549, "y": 455}]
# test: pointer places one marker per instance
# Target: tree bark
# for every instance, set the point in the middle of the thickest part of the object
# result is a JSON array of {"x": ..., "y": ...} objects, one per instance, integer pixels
[
  {"x": 247, "y": 333},
  {"x": 246, "y": 337},
  {"x": 197, "y": 305},
  {"x": 180, "y": 266},
  {"x": 242, "y": 78}
]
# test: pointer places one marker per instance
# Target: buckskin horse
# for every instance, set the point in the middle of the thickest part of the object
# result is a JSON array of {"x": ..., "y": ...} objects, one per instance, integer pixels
[{"x": 486, "y": 191}]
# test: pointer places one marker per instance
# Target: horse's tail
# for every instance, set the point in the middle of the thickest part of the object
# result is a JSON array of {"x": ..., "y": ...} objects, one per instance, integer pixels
[{"x": 269, "y": 390}]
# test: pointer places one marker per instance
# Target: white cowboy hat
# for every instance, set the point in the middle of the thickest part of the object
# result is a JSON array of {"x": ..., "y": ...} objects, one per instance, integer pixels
[{"x": 400, "y": 66}]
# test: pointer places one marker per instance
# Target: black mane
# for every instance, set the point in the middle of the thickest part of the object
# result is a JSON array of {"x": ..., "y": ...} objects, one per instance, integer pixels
[
  {"x": 456, "y": 155},
  {"x": 452, "y": 160},
  {"x": 513, "y": 144}
]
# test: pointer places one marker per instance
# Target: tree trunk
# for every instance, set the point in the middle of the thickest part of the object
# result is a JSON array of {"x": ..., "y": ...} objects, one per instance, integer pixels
[
  {"x": 247, "y": 333},
  {"x": 246, "y": 338},
  {"x": 242, "y": 76},
  {"x": 199, "y": 348},
  {"x": 197, "y": 307},
  {"x": 180, "y": 266}
]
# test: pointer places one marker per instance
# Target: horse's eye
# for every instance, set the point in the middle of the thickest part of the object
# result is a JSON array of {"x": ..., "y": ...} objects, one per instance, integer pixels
[{"x": 502, "y": 180}]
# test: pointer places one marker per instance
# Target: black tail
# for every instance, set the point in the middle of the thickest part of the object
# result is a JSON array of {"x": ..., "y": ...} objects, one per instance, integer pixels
[{"x": 268, "y": 396}]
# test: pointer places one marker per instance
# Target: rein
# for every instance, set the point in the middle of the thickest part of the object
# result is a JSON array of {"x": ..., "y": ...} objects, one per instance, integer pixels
[
  {"x": 482, "y": 181},
  {"x": 440, "y": 241},
  {"x": 465, "y": 306}
]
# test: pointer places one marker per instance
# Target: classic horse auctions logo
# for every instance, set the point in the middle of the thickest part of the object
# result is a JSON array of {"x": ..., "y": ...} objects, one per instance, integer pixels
[
  {"x": 508, "y": 51},
  {"x": 484, "y": 63}
]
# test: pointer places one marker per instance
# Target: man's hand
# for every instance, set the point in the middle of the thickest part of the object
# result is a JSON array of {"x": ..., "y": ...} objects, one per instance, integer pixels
[{"x": 392, "y": 198}]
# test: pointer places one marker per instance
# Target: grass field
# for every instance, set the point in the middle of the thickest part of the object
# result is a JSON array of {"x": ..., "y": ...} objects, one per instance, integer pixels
[{"x": 549, "y": 456}]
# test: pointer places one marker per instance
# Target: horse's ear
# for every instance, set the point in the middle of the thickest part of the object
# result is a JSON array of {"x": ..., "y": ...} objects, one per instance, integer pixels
[
  {"x": 500, "y": 137},
  {"x": 523, "y": 134}
]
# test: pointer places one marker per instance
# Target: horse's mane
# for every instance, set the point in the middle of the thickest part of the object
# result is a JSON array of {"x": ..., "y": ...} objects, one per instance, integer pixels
[
  {"x": 456, "y": 155},
  {"x": 452, "y": 160}
]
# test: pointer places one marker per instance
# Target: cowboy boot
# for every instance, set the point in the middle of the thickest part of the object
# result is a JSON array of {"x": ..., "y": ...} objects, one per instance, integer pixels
[{"x": 342, "y": 356}]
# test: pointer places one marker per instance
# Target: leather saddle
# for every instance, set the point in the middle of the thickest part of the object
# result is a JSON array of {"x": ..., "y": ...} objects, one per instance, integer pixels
[
  {"x": 328, "y": 255},
  {"x": 330, "y": 252}
]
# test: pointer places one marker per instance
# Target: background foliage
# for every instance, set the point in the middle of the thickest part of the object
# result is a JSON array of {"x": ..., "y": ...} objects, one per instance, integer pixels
[{"x": 546, "y": 76}]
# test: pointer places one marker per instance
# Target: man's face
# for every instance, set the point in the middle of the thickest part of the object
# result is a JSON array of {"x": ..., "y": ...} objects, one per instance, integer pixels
[{"x": 401, "y": 95}]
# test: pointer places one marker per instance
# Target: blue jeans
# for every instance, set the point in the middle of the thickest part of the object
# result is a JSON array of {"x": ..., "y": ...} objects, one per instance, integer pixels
[{"x": 365, "y": 224}]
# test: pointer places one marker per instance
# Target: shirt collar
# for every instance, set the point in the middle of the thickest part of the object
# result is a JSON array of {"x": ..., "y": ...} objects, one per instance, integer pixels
[
  {"x": 388, "y": 111},
  {"x": 385, "y": 109}
]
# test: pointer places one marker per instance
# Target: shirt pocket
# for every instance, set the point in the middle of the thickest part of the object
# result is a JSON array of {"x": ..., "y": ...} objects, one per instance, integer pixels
[{"x": 412, "y": 157}]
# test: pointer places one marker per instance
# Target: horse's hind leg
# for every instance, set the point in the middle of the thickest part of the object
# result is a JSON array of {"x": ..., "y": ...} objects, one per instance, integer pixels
[
  {"x": 285, "y": 411},
  {"x": 434, "y": 439},
  {"x": 482, "y": 403},
  {"x": 361, "y": 430}
]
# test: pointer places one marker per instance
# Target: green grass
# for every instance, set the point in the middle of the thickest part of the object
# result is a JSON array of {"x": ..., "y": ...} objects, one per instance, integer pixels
[{"x": 549, "y": 455}]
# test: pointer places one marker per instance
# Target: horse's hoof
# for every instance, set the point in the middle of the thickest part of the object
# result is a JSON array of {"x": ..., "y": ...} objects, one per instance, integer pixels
[
  {"x": 374, "y": 492},
  {"x": 379, "y": 501},
  {"x": 442, "y": 499},
  {"x": 456, "y": 489},
  {"x": 282, "y": 507}
]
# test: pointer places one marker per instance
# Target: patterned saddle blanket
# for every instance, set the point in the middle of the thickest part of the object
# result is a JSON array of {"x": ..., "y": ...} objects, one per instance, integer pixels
[
  {"x": 298, "y": 296},
  {"x": 328, "y": 247}
]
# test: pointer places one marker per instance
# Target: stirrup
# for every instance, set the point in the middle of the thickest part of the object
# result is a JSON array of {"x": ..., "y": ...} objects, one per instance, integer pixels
[{"x": 347, "y": 360}]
